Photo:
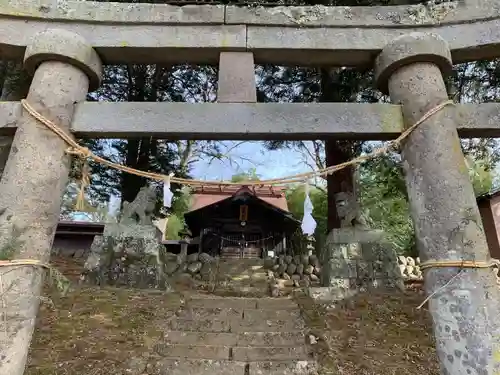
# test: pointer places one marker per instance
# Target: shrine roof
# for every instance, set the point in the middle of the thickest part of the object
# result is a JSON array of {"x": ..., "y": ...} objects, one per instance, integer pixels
[{"x": 207, "y": 196}]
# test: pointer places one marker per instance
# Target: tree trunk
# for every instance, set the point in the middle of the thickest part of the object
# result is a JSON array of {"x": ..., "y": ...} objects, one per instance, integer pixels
[
  {"x": 138, "y": 150},
  {"x": 15, "y": 86},
  {"x": 337, "y": 182},
  {"x": 336, "y": 152}
]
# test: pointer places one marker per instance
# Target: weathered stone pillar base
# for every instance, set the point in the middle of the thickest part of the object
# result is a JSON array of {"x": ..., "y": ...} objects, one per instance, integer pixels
[
  {"x": 34, "y": 180},
  {"x": 236, "y": 78}
]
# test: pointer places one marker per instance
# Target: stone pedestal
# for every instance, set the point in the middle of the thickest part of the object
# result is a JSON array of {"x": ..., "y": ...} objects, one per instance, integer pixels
[
  {"x": 356, "y": 260},
  {"x": 128, "y": 255},
  {"x": 121, "y": 230}
]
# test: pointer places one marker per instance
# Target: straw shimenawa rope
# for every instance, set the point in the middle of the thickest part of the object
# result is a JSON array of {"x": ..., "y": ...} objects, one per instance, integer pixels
[
  {"x": 462, "y": 264},
  {"x": 84, "y": 182},
  {"x": 85, "y": 153}
]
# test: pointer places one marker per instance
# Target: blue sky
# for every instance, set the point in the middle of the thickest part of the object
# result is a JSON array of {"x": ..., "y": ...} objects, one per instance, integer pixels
[{"x": 269, "y": 164}]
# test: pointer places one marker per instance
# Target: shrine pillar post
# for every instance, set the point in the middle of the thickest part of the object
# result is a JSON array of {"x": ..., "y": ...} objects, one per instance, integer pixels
[
  {"x": 64, "y": 67},
  {"x": 463, "y": 301}
]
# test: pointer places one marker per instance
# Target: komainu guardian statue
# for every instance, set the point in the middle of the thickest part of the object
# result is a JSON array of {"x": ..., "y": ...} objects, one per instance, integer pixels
[
  {"x": 141, "y": 209},
  {"x": 349, "y": 211},
  {"x": 356, "y": 257},
  {"x": 129, "y": 252}
]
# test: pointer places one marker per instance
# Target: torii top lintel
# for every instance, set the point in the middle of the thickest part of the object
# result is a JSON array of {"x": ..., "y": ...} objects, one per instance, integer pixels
[{"x": 345, "y": 36}]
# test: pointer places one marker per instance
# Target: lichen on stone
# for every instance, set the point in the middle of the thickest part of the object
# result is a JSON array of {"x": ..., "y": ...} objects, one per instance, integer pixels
[
  {"x": 394, "y": 17},
  {"x": 348, "y": 13},
  {"x": 301, "y": 15},
  {"x": 433, "y": 11}
]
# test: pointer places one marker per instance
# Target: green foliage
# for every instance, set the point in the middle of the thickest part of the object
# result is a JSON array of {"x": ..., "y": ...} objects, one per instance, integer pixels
[
  {"x": 481, "y": 175},
  {"x": 298, "y": 243},
  {"x": 383, "y": 194},
  {"x": 174, "y": 226},
  {"x": 180, "y": 205},
  {"x": 182, "y": 201},
  {"x": 250, "y": 175}
]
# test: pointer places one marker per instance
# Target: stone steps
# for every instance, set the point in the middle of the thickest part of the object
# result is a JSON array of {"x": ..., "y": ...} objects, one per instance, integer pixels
[
  {"x": 244, "y": 314},
  {"x": 237, "y": 353},
  {"x": 235, "y": 339},
  {"x": 242, "y": 267},
  {"x": 234, "y": 335},
  {"x": 242, "y": 277},
  {"x": 269, "y": 353},
  {"x": 236, "y": 325},
  {"x": 226, "y": 367},
  {"x": 193, "y": 351},
  {"x": 207, "y": 302}
]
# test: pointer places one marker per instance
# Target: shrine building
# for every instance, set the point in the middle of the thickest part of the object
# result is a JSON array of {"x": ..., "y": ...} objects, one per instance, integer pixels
[{"x": 241, "y": 222}]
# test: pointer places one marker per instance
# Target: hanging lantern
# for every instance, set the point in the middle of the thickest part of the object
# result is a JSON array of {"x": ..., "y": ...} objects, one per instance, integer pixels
[{"x": 244, "y": 213}]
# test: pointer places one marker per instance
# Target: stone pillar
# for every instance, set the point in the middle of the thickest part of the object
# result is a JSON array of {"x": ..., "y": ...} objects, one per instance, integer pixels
[
  {"x": 236, "y": 78},
  {"x": 181, "y": 258},
  {"x": 447, "y": 222},
  {"x": 64, "y": 67}
]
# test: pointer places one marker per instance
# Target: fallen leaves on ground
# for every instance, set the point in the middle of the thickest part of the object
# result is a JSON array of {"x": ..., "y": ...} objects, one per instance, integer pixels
[
  {"x": 96, "y": 331},
  {"x": 375, "y": 334}
]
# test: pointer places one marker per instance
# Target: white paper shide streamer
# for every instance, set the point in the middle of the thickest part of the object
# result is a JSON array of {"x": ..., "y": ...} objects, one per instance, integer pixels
[
  {"x": 167, "y": 193},
  {"x": 308, "y": 223}
]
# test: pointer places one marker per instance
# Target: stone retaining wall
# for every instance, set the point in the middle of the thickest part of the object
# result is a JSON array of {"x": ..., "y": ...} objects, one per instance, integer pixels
[
  {"x": 142, "y": 263},
  {"x": 410, "y": 268},
  {"x": 295, "y": 270}
]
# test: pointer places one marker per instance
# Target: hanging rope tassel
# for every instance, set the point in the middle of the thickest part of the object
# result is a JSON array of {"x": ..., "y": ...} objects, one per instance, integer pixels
[
  {"x": 308, "y": 223},
  {"x": 165, "y": 229},
  {"x": 81, "y": 202}
]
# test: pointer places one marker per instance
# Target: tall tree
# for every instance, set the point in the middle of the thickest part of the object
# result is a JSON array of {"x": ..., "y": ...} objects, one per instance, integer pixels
[{"x": 140, "y": 83}]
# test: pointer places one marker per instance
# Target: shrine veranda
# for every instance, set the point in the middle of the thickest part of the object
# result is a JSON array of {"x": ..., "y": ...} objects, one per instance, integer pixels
[{"x": 65, "y": 43}]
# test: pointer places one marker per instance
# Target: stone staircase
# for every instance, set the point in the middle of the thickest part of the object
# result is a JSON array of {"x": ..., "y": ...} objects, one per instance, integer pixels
[
  {"x": 234, "y": 336},
  {"x": 242, "y": 277}
]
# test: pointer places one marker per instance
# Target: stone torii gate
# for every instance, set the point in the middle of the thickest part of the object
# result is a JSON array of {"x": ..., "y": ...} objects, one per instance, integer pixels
[{"x": 64, "y": 44}]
